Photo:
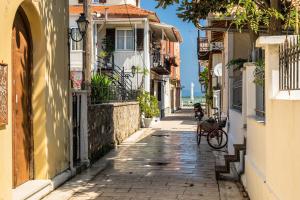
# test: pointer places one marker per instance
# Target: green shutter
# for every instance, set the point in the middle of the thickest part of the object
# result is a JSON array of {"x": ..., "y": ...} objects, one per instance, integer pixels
[{"x": 140, "y": 39}]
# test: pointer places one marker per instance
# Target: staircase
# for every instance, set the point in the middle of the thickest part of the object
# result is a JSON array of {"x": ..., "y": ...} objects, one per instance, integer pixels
[
  {"x": 228, "y": 159},
  {"x": 120, "y": 79}
]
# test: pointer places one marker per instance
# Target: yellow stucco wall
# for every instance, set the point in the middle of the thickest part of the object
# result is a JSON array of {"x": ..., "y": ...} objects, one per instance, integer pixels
[
  {"x": 255, "y": 165},
  {"x": 272, "y": 164},
  {"x": 48, "y": 22},
  {"x": 282, "y": 143}
]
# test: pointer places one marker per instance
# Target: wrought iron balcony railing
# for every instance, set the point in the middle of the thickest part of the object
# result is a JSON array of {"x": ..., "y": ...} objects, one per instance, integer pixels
[
  {"x": 203, "y": 44},
  {"x": 289, "y": 65}
]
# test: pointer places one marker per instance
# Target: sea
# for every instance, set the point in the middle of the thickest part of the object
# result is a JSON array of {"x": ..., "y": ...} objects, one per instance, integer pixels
[{"x": 187, "y": 102}]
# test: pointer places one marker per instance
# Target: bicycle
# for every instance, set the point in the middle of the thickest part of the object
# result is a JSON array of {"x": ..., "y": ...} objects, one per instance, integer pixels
[{"x": 212, "y": 129}]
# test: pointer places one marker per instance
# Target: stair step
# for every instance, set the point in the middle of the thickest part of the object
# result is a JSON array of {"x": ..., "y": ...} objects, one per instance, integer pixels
[
  {"x": 31, "y": 189},
  {"x": 222, "y": 169},
  {"x": 239, "y": 147},
  {"x": 220, "y": 160},
  {"x": 231, "y": 158},
  {"x": 231, "y": 175}
]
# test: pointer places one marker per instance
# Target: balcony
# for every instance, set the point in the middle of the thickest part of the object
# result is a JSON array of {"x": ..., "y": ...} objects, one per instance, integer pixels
[
  {"x": 160, "y": 63},
  {"x": 203, "y": 48}
]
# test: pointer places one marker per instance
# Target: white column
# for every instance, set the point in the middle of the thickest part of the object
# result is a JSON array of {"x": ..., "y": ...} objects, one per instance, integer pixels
[
  {"x": 228, "y": 55},
  {"x": 84, "y": 148},
  {"x": 71, "y": 129},
  {"x": 95, "y": 49},
  {"x": 244, "y": 97},
  {"x": 147, "y": 55},
  {"x": 163, "y": 98},
  {"x": 250, "y": 90}
]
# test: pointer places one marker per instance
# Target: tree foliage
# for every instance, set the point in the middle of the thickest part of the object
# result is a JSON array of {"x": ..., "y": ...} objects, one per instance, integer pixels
[{"x": 245, "y": 13}]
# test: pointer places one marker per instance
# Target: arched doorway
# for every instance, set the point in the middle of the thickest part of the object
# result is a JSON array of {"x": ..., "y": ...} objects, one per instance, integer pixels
[{"x": 21, "y": 100}]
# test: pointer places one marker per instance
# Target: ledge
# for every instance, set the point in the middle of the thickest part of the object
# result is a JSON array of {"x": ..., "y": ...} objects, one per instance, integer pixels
[
  {"x": 236, "y": 111},
  {"x": 257, "y": 119},
  {"x": 79, "y": 91},
  {"x": 116, "y": 104},
  {"x": 271, "y": 40},
  {"x": 30, "y": 189},
  {"x": 292, "y": 95}
]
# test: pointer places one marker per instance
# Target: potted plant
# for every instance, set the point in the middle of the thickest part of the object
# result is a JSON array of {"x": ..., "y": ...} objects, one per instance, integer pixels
[{"x": 149, "y": 108}]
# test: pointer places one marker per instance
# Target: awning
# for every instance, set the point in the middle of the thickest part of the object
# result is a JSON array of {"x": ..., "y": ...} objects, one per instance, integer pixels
[{"x": 172, "y": 32}]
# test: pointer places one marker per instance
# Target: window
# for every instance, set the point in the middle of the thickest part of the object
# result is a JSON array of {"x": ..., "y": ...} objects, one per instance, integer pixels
[
  {"x": 125, "y": 40},
  {"x": 260, "y": 101},
  {"x": 76, "y": 46},
  {"x": 259, "y": 74},
  {"x": 237, "y": 90}
]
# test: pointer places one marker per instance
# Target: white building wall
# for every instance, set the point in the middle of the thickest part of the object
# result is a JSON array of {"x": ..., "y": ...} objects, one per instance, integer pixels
[
  {"x": 167, "y": 96},
  {"x": 130, "y": 58}
]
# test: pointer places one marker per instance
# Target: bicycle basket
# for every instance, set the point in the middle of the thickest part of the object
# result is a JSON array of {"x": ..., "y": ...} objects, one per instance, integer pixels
[{"x": 223, "y": 121}]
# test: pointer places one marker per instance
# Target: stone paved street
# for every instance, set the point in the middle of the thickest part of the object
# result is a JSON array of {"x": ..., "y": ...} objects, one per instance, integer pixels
[{"x": 166, "y": 164}]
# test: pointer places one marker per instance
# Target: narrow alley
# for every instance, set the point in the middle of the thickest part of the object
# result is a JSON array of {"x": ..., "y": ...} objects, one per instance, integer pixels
[{"x": 165, "y": 164}]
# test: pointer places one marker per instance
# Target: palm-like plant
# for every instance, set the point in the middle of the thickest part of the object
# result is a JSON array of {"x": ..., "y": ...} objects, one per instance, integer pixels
[{"x": 101, "y": 86}]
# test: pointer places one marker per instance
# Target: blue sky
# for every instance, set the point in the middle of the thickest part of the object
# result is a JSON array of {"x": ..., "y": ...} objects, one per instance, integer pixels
[{"x": 189, "y": 63}]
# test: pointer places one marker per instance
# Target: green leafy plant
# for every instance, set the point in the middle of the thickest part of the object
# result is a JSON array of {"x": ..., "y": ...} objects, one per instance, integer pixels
[
  {"x": 209, "y": 98},
  {"x": 148, "y": 104},
  {"x": 107, "y": 51},
  {"x": 252, "y": 14},
  {"x": 236, "y": 63},
  {"x": 203, "y": 77},
  {"x": 100, "y": 88},
  {"x": 144, "y": 72},
  {"x": 259, "y": 73},
  {"x": 108, "y": 46}
]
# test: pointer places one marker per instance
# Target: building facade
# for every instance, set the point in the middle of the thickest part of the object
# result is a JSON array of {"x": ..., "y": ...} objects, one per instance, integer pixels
[
  {"x": 260, "y": 100},
  {"x": 127, "y": 38},
  {"x": 34, "y": 125}
]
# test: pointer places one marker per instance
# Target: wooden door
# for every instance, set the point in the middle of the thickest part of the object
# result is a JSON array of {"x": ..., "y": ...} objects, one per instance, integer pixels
[{"x": 21, "y": 100}]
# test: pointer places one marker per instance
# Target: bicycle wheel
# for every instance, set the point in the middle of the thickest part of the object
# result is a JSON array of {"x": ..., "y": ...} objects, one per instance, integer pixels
[
  {"x": 217, "y": 139},
  {"x": 198, "y": 135}
]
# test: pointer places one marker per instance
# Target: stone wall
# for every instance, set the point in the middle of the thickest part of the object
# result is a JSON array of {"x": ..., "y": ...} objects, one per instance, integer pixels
[{"x": 109, "y": 124}]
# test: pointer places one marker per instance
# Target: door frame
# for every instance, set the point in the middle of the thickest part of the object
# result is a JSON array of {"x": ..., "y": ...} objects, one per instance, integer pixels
[{"x": 21, "y": 12}]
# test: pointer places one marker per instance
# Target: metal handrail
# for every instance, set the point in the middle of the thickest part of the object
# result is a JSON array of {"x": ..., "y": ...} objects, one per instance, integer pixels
[{"x": 119, "y": 78}]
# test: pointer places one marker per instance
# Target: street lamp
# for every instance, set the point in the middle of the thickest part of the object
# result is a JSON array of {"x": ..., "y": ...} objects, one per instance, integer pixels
[
  {"x": 133, "y": 70},
  {"x": 132, "y": 73},
  {"x": 82, "y": 24}
]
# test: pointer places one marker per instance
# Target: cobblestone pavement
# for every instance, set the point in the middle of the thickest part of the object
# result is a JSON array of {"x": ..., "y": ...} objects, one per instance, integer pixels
[{"x": 166, "y": 164}]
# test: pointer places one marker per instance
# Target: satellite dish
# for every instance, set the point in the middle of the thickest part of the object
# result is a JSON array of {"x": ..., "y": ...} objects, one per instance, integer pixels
[{"x": 218, "y": 70}]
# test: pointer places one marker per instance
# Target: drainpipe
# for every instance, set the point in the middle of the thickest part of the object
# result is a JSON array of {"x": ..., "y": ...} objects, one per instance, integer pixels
[
  {"x": 106, "y": 14},
  {"x": 146, "y": 55}
]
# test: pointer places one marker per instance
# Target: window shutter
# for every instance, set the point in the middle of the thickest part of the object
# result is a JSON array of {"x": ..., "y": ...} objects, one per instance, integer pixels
[
  {"x": 140, "y": 39},
  {"x": 110, "y": 37}
]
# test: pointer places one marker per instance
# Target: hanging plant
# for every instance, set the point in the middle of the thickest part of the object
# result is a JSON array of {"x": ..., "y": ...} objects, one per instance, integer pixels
[
  {"x": 236, "y": 63},
  {"x": 259, "y": 73}
]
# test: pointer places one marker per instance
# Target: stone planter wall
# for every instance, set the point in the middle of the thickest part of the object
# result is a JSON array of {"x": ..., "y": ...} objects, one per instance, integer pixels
[{"x": 109, "y": 124}]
